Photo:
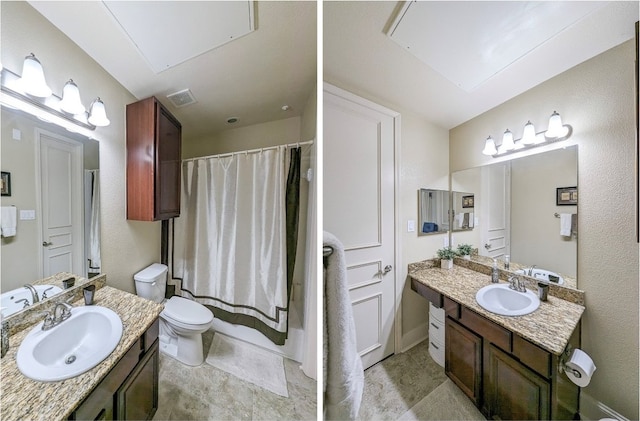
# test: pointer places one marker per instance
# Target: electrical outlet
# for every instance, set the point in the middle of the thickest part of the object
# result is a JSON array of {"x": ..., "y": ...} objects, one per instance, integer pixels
[{"x": 445, "y": 240}]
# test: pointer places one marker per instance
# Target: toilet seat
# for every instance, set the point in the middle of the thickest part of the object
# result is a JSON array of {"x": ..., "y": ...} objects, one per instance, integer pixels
[{"x": 187, "y": 312}]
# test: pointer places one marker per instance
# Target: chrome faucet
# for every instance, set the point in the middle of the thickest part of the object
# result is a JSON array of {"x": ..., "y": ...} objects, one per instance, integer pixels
[
  {"x": 61, "y": 312},
  {"x": 44, "y": 294},
  {"x": 517, "y": 284},
  {"x": 34, "y": 293},
  {"x": 530, "y": 271}
]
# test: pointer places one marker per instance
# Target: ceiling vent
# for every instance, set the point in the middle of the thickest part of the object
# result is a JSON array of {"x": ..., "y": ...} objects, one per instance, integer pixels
[{"x": 182, "y": 98}]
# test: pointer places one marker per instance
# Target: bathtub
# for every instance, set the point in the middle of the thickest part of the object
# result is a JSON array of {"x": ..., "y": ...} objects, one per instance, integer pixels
[
  {"x": 292, "y": 348},
  {"x": 9, "y": 300}
]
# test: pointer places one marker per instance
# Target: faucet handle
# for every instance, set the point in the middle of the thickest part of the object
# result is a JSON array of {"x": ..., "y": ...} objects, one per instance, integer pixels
[{"x": 49, "y": 321}]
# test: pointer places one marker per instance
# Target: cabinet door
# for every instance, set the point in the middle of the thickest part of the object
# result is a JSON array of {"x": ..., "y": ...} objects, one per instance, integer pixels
[
  {"x": 137, "y": 398},
  {"x": 167, "y": 183},
  {"x": 514, "y": 392},
  {"x": 463, "y": 359}
]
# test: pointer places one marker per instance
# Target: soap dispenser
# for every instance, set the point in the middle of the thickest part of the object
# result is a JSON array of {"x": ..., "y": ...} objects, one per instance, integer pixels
[{"x": 495, "y": 275}]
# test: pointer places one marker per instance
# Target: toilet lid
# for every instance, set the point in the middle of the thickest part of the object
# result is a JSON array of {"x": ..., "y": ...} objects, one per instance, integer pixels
[{"x": 187, "y": 311}]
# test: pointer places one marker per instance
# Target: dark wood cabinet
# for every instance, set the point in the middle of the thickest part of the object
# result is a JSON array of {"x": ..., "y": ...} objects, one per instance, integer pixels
[
  {"x": 463, "y": 359},
  {"x": 154, "y": 153},
  {"x": 504, "y": 375},
  {"x": 130, "y": 390},
  {"x": 513, "y": 391}
]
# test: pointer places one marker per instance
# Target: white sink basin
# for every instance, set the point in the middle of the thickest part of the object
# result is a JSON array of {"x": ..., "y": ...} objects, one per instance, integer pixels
[
  {"x": 74, "y": 346},
  {"x": 542, "y": 275},
  {"x": 500, "y": 299}
]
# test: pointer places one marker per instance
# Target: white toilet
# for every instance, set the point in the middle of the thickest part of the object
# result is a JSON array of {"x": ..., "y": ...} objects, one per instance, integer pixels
[{"x": 182, "y": 321}]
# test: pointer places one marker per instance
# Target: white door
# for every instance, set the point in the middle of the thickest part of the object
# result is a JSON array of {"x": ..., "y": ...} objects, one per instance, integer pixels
[
  {"x": 496, "y": 210},
  {"x": 61, "y": 204},
  {"x": 358, "y": 195}
]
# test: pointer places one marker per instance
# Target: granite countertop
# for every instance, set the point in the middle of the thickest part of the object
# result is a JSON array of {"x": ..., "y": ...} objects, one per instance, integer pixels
[
  {"x": 26, "y": 399},
  {"x": 549, "y": 327}
]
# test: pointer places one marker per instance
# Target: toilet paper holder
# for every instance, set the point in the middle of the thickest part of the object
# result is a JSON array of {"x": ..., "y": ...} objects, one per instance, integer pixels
[{"x": 562, "y": 364}]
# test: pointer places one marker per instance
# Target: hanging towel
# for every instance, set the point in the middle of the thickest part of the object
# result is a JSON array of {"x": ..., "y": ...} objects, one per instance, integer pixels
[
  {"x": 465, "y": 220},
  {"x": 565, "y": 224},
  {"x": 8, "y": 221},
  {"x": 344, "y": 376}
]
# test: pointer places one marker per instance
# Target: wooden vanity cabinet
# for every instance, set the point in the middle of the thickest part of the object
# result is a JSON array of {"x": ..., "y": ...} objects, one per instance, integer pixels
[
  {"x": 504, "y": 375},
  {"x": 154, "y": 143},
  {"x": 130, "y": 390}
]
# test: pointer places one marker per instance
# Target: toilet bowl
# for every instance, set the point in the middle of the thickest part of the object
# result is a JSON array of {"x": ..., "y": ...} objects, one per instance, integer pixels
[{"x": 182, "y": 321}]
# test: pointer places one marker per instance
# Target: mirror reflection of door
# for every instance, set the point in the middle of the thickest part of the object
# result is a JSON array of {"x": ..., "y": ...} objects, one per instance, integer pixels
[{"x": 61, "y": 181}]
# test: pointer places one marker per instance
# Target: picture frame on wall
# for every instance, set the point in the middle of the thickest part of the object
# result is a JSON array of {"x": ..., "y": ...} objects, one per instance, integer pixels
[
  {"x": 467, "y": 201},
  {"x": 567, "y": 196},
  {"x": 5, "y": 183}
]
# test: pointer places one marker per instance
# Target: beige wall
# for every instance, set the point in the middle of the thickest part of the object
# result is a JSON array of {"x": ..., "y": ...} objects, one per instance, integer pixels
[
  {"x": 127, "y": 246},
  {"x": 597, "y": 99}
]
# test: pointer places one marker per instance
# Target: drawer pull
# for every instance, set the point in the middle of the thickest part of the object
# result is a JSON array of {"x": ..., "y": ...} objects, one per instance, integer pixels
[
  {"x": 434, "y": 345},
  {"x": 436, "y": 326}
]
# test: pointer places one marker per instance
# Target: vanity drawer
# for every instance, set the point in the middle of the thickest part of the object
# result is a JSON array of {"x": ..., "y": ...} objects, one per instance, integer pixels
[
  {"x": 429, "y": 293},
  {"x": 436, "y": 330},
  {"x": 532, "y": 355},
  {"x": 486, "y": 328}
]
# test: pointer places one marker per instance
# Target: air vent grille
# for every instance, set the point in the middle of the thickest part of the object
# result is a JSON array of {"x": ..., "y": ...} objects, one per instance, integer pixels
[{"x": 182, "y": 98}]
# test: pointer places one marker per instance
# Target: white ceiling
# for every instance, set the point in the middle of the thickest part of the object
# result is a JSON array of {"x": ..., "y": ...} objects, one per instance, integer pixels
[
  {"x": 250, "y": 77},
  {"x": 359, "y": 56}
]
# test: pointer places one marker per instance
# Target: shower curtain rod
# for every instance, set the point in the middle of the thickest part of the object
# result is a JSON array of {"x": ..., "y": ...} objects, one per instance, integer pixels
[{"x": 223, "y": 155}]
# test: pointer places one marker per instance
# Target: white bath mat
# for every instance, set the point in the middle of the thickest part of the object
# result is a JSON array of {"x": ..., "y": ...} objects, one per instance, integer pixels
[{"x": 249, "y": 363}]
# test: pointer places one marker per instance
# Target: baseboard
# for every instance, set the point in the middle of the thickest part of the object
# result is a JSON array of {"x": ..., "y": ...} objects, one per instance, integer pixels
[
  {"x": 414, "y": 337},
  {"x": 592, "y": 409}
]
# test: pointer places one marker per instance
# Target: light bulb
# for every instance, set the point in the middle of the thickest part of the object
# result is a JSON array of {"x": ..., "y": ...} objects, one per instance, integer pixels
[
  {"x": 507, "y": 142},
  {"x": 71, "y": 102},
  {"x": 98, "y": 114},
  {"x": 32, "y": 81},
  {"x": 489, "y": 147},
  {"x": 529, "y": 134},
  {"x": 555, "y": 129}
]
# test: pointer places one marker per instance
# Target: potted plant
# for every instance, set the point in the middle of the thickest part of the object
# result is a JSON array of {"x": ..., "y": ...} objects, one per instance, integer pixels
[
  {"x": 465, "y": 250},
  {"x": 446, "y": 256}
]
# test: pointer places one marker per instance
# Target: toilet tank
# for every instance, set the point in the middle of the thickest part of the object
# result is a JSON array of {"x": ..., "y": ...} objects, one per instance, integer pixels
[{"x": 151, "y": 282}]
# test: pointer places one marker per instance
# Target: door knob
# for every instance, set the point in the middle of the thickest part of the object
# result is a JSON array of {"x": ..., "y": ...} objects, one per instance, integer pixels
[
  {"x": 384, "y": 271},
  {"x": 487, "y": 246},
  {"x": 46, "y": 244}
]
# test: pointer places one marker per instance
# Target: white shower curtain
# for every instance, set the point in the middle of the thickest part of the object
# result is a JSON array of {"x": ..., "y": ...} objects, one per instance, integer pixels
[{"x": 230, "y": 240}]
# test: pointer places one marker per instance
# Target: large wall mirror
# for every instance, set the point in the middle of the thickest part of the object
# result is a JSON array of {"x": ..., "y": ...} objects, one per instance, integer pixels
[
  {"x": 520, "y": 207},
  {"x": 57, "y": 227}
]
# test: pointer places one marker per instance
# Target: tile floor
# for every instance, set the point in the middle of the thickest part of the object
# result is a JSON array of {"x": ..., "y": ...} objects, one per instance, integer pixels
[
  {"x": 207, "y": 393},
  {"x": 398, "y": 383}
]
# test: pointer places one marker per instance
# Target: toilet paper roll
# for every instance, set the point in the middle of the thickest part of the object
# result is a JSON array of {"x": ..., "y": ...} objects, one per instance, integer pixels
[{"x": 580, "y": 368}]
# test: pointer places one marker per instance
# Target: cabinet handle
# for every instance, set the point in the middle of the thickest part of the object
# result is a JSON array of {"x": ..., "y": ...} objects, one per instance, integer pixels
[
  {"x": 434, "y": 345},
  {"x": 436, "y": 326}
]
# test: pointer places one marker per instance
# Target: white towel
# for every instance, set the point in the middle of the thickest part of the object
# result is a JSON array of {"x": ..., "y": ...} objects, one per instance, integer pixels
[
  {"x": 565, "y": 224},
  {"x": 8, "y": 220},
  {"x": 344, "y": 376}
]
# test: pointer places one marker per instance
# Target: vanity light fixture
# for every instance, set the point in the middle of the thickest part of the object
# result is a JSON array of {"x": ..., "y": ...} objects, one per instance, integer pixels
[
  {"x": 71, "y": 102},
  {"x": 32, "y": 80},
  {"x": 530, "y": 139},
  {"x": 31, "y": 94}
]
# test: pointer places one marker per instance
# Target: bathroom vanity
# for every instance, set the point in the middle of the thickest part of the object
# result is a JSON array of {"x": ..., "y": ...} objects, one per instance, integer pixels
[
  {"x": 510, "y": 367},
  {"x": 123, "y": 386}
]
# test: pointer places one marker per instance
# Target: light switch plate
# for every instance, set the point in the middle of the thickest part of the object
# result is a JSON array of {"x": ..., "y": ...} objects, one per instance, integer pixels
[
  {"x": 27, "y": 215},
  {"x": 411, "y": 225}
]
